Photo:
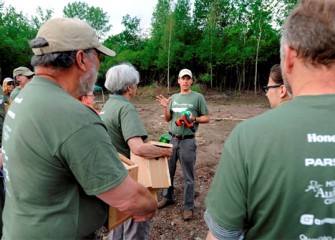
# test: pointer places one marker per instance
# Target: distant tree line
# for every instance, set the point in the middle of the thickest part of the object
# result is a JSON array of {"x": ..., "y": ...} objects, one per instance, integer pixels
[{"x": 228, "y": 44}]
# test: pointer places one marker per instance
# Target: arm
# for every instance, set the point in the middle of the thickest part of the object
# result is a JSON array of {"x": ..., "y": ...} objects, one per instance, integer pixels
[
  {"x": 138, "y": 147},
  {"x": 164, "y": 102},
  {"x": 210, "y": 236},
  {"x": 218, "y": 232},
  {"x": 202, "y": 119},
  {"x": 132, "y": 198}
]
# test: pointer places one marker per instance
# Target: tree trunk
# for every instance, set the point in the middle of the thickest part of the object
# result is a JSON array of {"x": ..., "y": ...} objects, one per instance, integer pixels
[{"x": 257, "y": 52}]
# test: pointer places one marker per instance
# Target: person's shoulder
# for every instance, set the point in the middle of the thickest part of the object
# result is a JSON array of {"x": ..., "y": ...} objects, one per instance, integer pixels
[
  {"x": 264, "y": 121},
  {"x": 197, "y": 94}
]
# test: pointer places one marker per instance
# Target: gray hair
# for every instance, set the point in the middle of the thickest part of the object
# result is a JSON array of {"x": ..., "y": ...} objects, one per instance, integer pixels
[
  {"x": 310, "y": 31},
  {"x": 119, "y": 77},
  {"x": 58, "y": 59}
]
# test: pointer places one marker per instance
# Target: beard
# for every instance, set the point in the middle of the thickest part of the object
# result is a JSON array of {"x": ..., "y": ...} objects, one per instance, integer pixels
[{"x": 86, "y": 83}]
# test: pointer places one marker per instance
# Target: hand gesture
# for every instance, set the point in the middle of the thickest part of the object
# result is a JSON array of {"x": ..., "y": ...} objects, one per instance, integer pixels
[{"x": 164, "y": 102}]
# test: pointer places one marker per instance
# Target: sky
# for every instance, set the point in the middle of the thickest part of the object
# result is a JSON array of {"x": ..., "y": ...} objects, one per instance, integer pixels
[{"x": 116, "y": 9}]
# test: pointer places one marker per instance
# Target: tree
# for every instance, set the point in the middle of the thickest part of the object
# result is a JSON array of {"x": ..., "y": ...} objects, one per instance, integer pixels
[
  {"x": 42, "y": 17},
  {"x": 95, "y": 16},
  {"x": 16, "y": 32}
]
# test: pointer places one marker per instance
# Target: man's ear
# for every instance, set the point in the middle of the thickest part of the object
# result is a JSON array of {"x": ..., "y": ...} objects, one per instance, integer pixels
[
  {"x": 283, "y": 91},
  {"x": 289, "y": 58},
  {"x": 81, "y": 60}
]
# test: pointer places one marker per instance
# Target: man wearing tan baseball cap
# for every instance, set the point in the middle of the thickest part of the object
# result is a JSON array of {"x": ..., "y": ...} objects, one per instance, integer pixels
[
  {"x": 22, "y": 75},
  {"x": 62, "y": 170}
]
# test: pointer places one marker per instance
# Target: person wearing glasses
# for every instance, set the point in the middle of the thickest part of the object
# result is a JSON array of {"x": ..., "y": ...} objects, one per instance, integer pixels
[
  {"x": 62, "y": 171},
  {"x": 22, "y": 75},
  {"x": 276, "y": 176},
  {"x": 8, "y": 86},
  {"x": 88, "y": 99},
  {"x": 276, "y": 91}
]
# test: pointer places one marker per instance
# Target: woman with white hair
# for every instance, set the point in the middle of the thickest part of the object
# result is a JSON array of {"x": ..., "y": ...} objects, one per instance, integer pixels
[{"x": 127, "y": 133}]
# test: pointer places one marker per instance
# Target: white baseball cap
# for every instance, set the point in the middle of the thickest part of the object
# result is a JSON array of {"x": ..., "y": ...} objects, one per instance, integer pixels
[{"x": 184, "y": 72}]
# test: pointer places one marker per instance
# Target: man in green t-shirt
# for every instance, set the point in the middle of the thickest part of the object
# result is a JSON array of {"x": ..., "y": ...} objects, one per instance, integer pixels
[
  {"x": 183, "y": 137},
  {"x": 22, "y": 75},
  {"x": 61, "y": 169},
  {"x": 127, "y": 134},
  {"x": 276, "y": 177}
]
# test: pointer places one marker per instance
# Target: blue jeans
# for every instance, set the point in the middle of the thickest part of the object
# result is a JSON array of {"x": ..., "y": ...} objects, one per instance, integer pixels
[{"x": 185, "y": 152}]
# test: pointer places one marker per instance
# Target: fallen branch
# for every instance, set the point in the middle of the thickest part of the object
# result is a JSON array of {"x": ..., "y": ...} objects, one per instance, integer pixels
[{"x": 230, "y": 119}]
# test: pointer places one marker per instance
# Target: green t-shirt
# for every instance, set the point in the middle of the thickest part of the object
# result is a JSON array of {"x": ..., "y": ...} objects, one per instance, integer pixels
[
  {"x": 6, "y": 98},
  {"x": 57, "y": 157},
  {"x": 122, "y": 122},
  {"x": 14, "y": 93},
  {"x": 193, "y": 102},
  {"x": 2, "y": 111},
  {"x": 276, "y": 177}
]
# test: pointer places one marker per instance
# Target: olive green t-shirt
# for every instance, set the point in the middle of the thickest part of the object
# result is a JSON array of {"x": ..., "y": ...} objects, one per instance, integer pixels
[
  {"x": 14, "y": 93},
  {"x": 193, "y": 102},
  {"x": 2, "y": 111},
  {"x": 122, "y": 122},
  {"x": 57, "y": 157},
  {"x": 276, "y": 177}
]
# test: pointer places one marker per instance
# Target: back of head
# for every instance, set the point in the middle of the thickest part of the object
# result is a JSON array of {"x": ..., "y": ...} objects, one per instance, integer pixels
[
  {"x": 119, "y": 77},
  {"x": 276, "y": 75},
  {"x": 310, "y": 30}
]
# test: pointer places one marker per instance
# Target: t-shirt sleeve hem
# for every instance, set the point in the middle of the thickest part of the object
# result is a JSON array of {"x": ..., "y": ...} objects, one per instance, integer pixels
[{"x": 108, "y": 186}]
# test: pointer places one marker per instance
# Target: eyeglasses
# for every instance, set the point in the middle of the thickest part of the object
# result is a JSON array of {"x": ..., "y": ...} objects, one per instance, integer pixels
[
  {"x": 10, "y": 84},
  {"x": 266, "y": 88}
]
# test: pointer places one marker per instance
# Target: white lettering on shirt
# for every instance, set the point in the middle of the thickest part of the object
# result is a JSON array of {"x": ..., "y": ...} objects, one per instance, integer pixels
[
  {"x": 18, "y": 100},
  {"x": 11, "y": 114},
  {"x": 320, "y": 162},
  {"x": 313, "y": 138},
  {"x": 304, "y": 237},
  {"x": 320, "y": 191},
  {"x": 309, "y": 219}
]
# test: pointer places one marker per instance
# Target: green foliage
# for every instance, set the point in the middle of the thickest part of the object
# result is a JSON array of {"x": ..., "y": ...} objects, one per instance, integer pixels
[
  {"x": 95, "y": 16},
  {"x": 16, "y": 32},
  {"x": 206, "y": 78},
  {"x": 196, "y": 87},
  {"x": 229, "y": 44}
]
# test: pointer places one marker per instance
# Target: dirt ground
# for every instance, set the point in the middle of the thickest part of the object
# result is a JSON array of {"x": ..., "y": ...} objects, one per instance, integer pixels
[{"x": 226, "y": 112}]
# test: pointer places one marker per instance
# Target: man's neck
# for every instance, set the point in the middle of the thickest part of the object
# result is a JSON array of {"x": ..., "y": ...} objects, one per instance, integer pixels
[
  {"x": 307, "y": 79},
  {"x": 186, "y": 91},
  {"x": 64, "y": 78}
]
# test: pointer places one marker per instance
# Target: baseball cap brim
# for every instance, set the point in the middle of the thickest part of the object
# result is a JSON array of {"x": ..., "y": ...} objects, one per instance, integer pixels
[{"x": 106, "y": 51}]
